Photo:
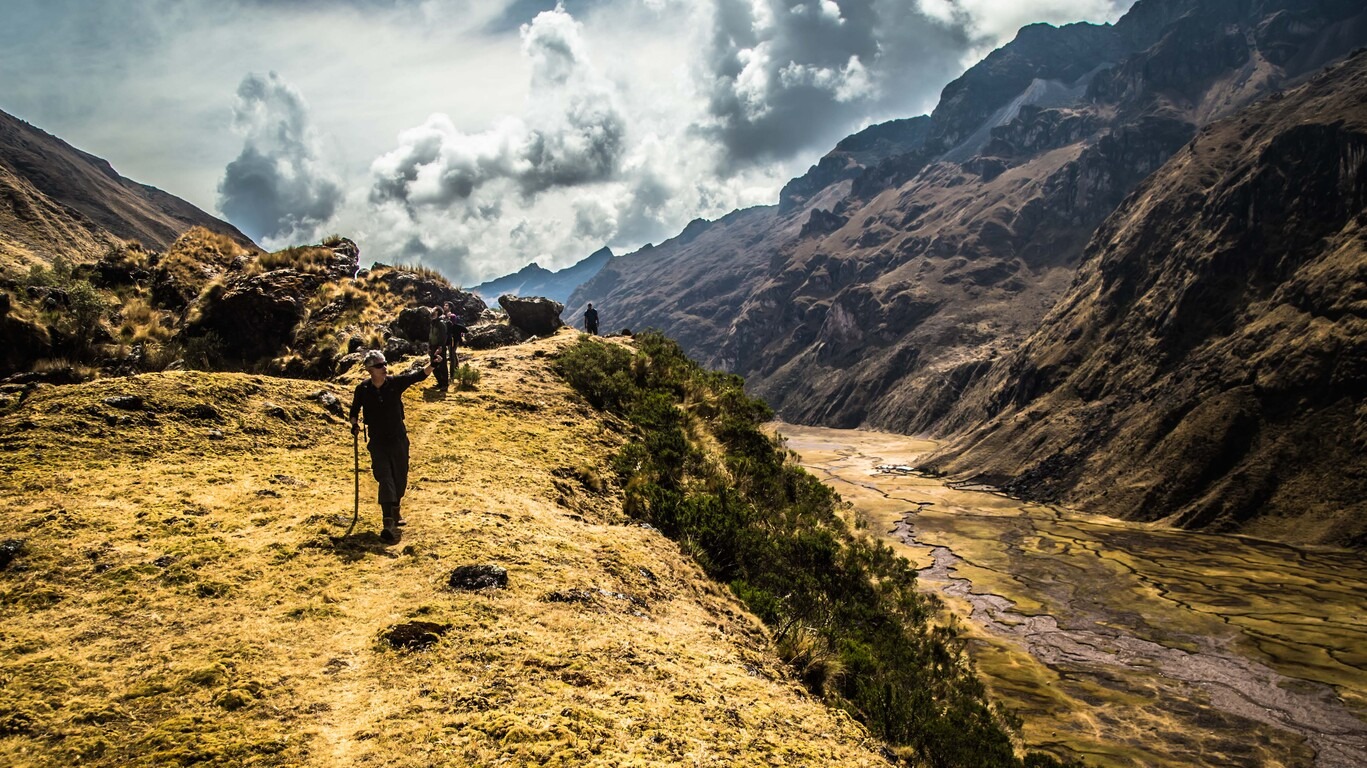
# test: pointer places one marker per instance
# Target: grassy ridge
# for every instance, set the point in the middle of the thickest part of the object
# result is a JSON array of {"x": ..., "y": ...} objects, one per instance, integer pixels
[{"x": 844, "y": 609}]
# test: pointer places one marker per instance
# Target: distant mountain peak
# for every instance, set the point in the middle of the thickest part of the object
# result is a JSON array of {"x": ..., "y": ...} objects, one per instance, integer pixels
[{"x": 536, "y": 280}]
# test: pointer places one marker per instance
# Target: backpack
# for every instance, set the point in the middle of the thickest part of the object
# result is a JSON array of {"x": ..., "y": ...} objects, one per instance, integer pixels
[{"x": 438, "y": 332}]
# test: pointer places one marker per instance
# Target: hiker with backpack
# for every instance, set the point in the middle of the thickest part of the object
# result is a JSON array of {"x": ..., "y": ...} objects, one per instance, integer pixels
[
  {"x": 380, "y": 398},
  {"x": 456, "y": 334},
  {"x": 438, "y": 337}
]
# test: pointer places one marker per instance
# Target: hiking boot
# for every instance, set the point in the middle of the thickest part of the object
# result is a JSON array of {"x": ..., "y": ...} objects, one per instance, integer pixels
[{"x": 390, "y": 534}]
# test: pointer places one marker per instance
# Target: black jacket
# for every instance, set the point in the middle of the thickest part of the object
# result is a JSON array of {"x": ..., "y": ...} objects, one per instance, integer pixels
[{"x": 383, "y": 407}]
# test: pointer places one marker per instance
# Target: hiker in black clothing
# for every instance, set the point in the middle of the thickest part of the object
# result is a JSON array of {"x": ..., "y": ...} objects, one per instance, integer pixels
[
  {"x": 438, "y": 337},
  {"x": 457, "y": 331},
  {"x": 381, "y": 398},
  {"x": 591, "y": 320}
]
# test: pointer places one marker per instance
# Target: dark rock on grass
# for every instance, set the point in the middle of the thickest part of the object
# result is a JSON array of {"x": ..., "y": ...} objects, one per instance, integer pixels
[
  {"x": 126, "y": 402},
  {"x": 415, "y": 635},
  {"x": 492, "y": 335},
  {"x": 202, "y": 412},
  {"x": 10, "y": 549},
  {"x": 329, "y": 402},
  {"x": 473, "y": 577}
]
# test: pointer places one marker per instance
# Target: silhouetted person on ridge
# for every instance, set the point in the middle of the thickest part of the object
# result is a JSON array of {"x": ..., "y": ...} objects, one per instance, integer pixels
[
  {"x": 591, "y": 320},
  {"x": 381, "y": 399}
]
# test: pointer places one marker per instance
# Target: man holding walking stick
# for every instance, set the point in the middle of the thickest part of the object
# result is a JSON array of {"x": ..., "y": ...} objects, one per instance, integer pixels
[{"x": 381, "y": 399}]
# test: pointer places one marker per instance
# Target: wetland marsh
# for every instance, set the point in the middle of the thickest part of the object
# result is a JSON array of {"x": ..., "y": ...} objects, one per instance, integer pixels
[{"x": 1125, "y": 644}]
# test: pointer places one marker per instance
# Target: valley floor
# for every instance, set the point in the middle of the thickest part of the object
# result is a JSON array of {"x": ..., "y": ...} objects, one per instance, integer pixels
[{"x": 1125, "y": 644}]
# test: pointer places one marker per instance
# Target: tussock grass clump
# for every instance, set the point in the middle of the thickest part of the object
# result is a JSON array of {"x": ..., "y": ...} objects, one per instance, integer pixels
[
  {"x": 843, "y": 609},
  {"x": 310, "y": 259}
]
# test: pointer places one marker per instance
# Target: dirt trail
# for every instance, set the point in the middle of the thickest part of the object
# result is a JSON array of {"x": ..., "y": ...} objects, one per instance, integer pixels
[{"x": 1126, "y": 644}]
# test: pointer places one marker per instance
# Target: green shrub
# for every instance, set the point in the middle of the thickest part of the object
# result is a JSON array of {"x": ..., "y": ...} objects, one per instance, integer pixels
[
  {"x": 845, "y": 610},
  {"x": 466, "y": 377}
]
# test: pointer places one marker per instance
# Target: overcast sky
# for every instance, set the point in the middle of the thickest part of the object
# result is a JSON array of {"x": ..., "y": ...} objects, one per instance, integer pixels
[{"x": 476, "y": 136}]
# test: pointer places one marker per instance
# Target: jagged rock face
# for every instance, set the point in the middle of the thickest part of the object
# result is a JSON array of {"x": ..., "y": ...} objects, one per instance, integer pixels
[
  {"x": 851, "y": 156},
  {"x": 537, "y": 316},
  {"x": 878, "y": 299},
  {"x": 255, "y": 316},
  {"x": 1209, "y": 367}
]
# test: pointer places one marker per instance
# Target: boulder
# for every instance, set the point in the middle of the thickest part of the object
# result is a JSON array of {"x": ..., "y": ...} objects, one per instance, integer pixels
[
  {"x": 10, "y": 549},
  {"x": 255, "y": 316},
  {"x": 492, "y": 335},
  {"x": 536, "y": 316},
  {"x": 412, "y": 324}
]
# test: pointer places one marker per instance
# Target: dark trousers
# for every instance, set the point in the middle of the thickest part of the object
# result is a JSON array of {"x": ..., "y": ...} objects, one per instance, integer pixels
[
  {"x": 389, "y": 464},
  {"x": 439, "y": 371},
  {"x": 451, "y": 359}
]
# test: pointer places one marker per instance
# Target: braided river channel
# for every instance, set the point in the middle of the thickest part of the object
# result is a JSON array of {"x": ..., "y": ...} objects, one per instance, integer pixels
[{"x": 1120, "y": 643}]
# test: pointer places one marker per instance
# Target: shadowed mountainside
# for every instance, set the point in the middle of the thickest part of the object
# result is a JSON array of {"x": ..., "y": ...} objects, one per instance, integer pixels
[
  {"x": 881, "y": 298},
  {"x": 878, "y": 306},
  {"x": 57, "y": 200},
  {"x": 1208, "y": 366}
]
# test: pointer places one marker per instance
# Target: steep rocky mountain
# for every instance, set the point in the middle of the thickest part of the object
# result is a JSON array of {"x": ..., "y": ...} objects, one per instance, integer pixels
[
  {"x": 57, "y": 200},
  {"x": 1209, "y": 364},
  {"x": 536, "y": 280},
  {"x": 878, "y": 298}
]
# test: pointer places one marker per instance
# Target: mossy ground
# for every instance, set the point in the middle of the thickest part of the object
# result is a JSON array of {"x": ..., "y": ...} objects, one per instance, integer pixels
[{"x": 181, "y": 599}]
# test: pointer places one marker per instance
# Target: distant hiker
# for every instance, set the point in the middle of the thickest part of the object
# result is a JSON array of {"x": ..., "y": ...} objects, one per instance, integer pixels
[
  {"x": 457, "y": 331},
  {"x": 381, "y": 399},
  {"x": 438, "y": 336},
  {"x": 591, "y": 320}
]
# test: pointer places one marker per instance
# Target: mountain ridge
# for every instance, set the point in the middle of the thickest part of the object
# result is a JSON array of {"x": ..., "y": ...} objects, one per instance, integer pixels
[
  {"x": 536, "y": 280},
  {"x": 1230, "y": 286},
  {"x": 880, "y": 306},
  {"x": 60, "y": 200}
]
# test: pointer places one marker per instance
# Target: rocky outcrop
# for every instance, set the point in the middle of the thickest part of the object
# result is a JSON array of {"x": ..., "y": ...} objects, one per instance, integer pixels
[
  {"x": 255, "y": 316},
  {"x": 429, "y": 290},
  {"x": 493, "y": 335},
  {"x": 412, "y": 324},
  {"x": 1209, "y": 365},
  {"x": 537, "y": 316}
]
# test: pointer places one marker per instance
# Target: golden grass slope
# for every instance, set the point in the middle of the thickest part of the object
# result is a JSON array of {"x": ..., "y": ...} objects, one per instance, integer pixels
[{"x": 182, "y": 599}]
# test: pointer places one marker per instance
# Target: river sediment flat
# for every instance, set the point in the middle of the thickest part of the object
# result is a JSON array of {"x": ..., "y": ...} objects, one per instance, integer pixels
[{"x": 1125, "y": 644}]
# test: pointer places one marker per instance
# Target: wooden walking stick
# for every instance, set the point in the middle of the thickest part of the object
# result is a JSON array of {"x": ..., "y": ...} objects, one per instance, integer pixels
[{"x": 356, "y": 460}]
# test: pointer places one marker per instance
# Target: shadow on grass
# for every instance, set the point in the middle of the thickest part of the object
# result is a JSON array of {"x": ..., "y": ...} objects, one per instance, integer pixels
[
  {"x": 433, "y": 394},
  {"x": 358, "y": 545}
]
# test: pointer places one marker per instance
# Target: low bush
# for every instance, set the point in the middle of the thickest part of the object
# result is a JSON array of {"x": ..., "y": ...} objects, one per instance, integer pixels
[{"x": 844, "y": 610}]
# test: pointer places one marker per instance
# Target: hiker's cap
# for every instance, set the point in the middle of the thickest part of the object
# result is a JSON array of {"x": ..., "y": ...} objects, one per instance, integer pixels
[{"x": 373, "y": 358}]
